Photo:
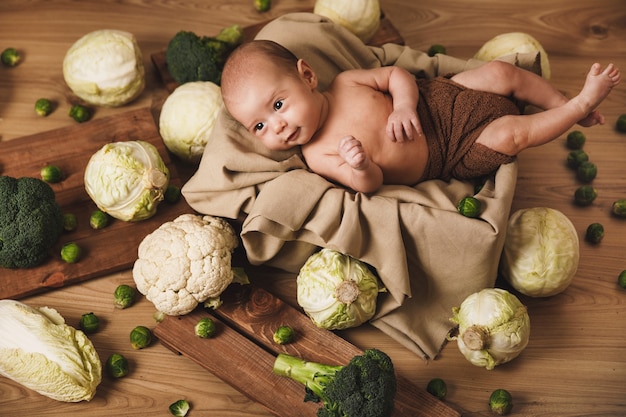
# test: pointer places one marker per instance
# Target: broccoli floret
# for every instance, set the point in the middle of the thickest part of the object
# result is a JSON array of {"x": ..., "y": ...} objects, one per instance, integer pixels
[
  {"x": 190, "y": 57},
  {"x": 30, "y": 221},
  {"x": 232, "y": 35},
  {"x": 365, "y": 387}
]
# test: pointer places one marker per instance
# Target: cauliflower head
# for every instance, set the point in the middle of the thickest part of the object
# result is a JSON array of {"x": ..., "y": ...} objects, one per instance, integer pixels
[{"x": 185, "y": 262}]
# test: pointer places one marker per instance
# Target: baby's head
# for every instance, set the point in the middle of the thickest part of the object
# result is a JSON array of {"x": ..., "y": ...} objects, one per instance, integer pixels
[
  {"x": 273, "y": 94},
  {"x": 244, "y": 63}
]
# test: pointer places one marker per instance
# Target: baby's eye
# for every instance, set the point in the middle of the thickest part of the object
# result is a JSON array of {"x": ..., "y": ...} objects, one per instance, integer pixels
[
  {"x": 278, "y": 105},
  {"x": 258, "y": 126}
]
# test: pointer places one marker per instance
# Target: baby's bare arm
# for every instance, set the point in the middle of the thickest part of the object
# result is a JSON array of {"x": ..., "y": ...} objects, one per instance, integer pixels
[
  {"x": 403, "y": 123},
  {"x": 349, "y": 165},
  {"x": 361, "y": 174}
]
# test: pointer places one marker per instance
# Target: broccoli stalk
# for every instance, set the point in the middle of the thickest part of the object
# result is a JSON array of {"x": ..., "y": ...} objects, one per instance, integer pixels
[{"x": 366, "y": 386}]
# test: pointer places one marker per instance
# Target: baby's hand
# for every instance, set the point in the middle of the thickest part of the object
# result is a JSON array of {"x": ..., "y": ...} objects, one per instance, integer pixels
[
  {"x": 403, "y": 123},
  {"x": 351, "y": 150}
]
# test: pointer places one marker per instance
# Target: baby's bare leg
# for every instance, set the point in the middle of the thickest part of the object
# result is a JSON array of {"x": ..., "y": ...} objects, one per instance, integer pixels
[
  {"x": 507, "y": 80},
  {"x": 512, "y": 134}
]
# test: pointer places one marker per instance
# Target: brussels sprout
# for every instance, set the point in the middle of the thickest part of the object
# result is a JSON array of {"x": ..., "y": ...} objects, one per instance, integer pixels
[
  {"x": 575, "y": 140},
  {"x": 123, "y": 296},
  {"x": 501, "y": 402},
  {"x": 159, "y": 316},
  {"x": 10, "y": 57},
  {"x": 620, "y": 125},
  {"x": 469, "y": 207},
  {"x": 577, "y": 157},
  {"x": 79, "y": 113},
  {"x": 436, "y": 49},
  {"x": 619, "y": 207},
  {"x": 51, "y": 174},
  {"x": 117, "y": 365},
  {"x": 584, "y": 195},
  {"x": 437, "y": 387},
  {"x": 205, "y": 328},
  {"x": 586, "y": 171},
  {"x": 179, "y": 408},
  {"x": 621, "y": 279},
  {"x": 69, "y": 222},
  {"x": 284, "y": 335},
  {"x": 262, "y": 5},
  {"x": 595, "y": 233},
  {"x": 89, "y": 323},
  {"x": 43, "y": 107},
  {"x": 172, "y": 194},
  {"x": 71, "y": 252},
  {"x": 98, "y": 220},
  {"x": 140, "y": 337}
]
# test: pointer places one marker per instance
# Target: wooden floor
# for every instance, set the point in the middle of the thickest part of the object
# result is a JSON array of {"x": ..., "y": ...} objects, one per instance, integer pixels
[{"x": 575, "y": 363}]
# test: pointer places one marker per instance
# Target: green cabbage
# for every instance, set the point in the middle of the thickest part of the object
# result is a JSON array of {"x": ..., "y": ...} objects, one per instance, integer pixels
[
  {"x": 541, "y": 252},
  {"x": 41, "y": 352},
  {"x": 337, "y": 291},
  {"x": 494, "y": 327},
  {"x": 105, "y": 68},
  {"x": 512, "y": 43},
  {"x": 361, "y": 17},
  {"x": 187, "y": 118},
  {"x": 127, "y": 180}
]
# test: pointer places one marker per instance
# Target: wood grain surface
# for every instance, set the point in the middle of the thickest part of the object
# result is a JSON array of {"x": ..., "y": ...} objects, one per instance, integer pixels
[
  {"x": 111, "y": 249},
  {"x": 247, "y": 319},
  {"x": 574, "y": 364}
]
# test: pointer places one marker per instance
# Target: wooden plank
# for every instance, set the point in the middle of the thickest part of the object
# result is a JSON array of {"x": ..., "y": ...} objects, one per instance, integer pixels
[
  {"x": 387, "y": 33},
  {"x": 247, "y": 319},
  {"x": 107, "y": 250},
  {"x": 236, "y": 360}
]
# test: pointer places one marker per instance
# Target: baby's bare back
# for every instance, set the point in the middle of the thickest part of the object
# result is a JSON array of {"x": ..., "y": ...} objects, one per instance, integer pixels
[{"x": 362, "y": 112}]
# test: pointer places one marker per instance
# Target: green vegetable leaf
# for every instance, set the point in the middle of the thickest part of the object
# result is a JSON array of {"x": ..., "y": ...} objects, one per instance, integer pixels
[
  {"x": 41, "y": 352},
  {"x": 117, "y": 365},
  {"x": 179, "y": 408},
  {"x": 337, "y": 291}
]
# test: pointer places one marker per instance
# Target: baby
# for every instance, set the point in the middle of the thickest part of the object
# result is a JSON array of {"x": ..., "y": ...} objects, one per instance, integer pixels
[{"x": 381, "y": 126}]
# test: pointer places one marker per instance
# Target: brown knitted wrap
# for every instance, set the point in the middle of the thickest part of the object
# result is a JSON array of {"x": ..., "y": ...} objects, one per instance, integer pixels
[{"x": 452, "y": 117}]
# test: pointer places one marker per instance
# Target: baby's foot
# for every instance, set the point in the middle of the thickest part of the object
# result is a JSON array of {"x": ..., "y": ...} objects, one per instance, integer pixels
[{"x": 598, "y": 85}]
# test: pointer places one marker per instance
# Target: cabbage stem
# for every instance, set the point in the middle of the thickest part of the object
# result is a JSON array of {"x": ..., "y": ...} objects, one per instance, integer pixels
[
  {"x": 347, "y": 292},
  {"x": 154, "y": 178},
  {"x": 475, "y": 337}
]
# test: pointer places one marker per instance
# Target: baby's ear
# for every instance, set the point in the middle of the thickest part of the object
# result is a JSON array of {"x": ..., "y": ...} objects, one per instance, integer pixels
[{"x": 307, "y": 74}]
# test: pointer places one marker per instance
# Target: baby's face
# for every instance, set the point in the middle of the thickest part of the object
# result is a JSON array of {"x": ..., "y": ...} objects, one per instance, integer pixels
[{"x": 281, "y": 110}]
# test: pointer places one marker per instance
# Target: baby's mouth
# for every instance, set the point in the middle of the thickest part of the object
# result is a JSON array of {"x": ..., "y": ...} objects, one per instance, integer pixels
[{"x": 293, "y": 136}]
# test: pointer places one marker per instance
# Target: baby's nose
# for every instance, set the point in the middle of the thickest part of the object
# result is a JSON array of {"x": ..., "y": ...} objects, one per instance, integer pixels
[{"x": 279, "y": 125}]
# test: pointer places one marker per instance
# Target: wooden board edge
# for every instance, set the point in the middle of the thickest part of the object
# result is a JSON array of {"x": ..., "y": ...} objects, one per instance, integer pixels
[
  {"x": 54, "y": 273},
  {"x": 234, "y": 316},
  {"x": 237, "y": 361}
]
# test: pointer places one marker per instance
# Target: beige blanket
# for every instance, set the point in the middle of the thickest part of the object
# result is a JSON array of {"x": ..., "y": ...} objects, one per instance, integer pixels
[{"x": 428, "y": 256}]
